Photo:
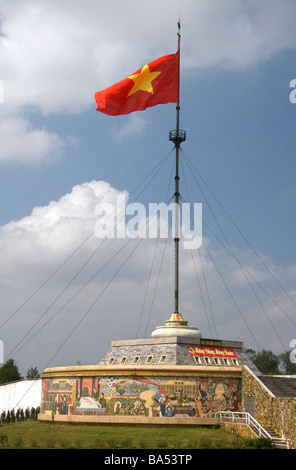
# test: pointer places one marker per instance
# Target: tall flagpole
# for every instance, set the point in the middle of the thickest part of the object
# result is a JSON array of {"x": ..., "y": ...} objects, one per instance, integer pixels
[
  {"x": 176, "y": 325},
  {"x": 177, "y": 136}
]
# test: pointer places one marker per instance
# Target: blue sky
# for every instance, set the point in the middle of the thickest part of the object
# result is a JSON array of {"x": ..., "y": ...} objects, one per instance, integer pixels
[{"x": 237, "y": 61}]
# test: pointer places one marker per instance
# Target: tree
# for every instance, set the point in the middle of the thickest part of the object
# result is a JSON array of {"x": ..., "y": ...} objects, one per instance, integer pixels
[
  {"x": 288, "y": 365},
  {"x": 266, "y": 361},
  {"x": 33, "y": 373},
  {"x": 251, "y": 353},
  {"x": 9, "y": 372}
]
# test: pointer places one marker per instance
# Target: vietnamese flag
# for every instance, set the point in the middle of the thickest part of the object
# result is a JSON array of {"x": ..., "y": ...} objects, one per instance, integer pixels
[{"x": 155, "y": 83}]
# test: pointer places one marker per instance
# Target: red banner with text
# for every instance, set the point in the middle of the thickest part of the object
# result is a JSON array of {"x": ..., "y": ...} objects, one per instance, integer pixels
[{"x": 209, "y": 351}]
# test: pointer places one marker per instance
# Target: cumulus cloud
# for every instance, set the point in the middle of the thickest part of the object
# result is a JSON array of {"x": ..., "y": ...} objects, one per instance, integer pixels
[
  {"x": 96, "y": 287},
  {"x": 57, "y": 228}
]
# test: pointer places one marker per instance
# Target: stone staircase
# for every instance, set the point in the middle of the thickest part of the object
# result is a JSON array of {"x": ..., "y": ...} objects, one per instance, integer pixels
[
  {"x": 278, "y": 442},
  {"x": 281, "y": 386},
  {"x": 246, "y": 418}
]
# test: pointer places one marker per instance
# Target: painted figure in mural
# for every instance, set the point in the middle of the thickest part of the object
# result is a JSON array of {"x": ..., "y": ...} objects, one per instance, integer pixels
[
  {"x": 220, "y": 391},
  {"x": 95, "y": 394},
  {"x": 160, "y": 399},
  {"x": 85, "y": 390},
  {"x": 138, "y": 408},
  {"x": 117, "y": 408},
  {"x": 198, "y": 406},
  {"x": 102, "y": 401},
  {"x": 64, "y": 405},
  {"x": 162, "y": 404},
  {"x": 170, "y": 411},
  {"x": 154, "y": 411}
]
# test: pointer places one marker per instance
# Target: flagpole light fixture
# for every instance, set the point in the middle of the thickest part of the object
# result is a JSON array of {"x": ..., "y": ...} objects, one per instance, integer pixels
[{"x": 177, "y": 136}]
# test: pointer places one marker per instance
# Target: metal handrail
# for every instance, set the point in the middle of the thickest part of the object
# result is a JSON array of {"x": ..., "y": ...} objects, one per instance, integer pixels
[{"x": 245, "y": 418}]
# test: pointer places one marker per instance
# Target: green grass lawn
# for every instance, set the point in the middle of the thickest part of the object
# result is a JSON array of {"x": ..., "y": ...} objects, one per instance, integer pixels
[{"x": 38, "y": 435}]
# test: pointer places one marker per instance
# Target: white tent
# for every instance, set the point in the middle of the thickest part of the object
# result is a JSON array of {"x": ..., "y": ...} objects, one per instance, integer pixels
[{"x": 20, "y": 395}]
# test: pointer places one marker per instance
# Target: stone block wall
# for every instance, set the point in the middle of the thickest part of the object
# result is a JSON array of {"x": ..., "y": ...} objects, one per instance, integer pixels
[
  {"x": 240, "y": 429},
  {"x": 278, "y": 413}
]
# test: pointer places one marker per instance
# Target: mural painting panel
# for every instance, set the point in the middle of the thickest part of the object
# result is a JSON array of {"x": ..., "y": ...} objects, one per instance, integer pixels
[{"x": 141, "y": 396}]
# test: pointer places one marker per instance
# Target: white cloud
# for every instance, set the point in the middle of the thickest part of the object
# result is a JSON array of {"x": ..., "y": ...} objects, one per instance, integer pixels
[
  {"x": 57, "y": 228},
  {"x": 20, "y": 142},
  {"x": 237, "y": 33},
  {"x": 135, "y": 124}
]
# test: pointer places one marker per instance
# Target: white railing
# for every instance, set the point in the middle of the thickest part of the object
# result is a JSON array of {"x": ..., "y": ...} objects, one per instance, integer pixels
[
  {"x": 239, "y": 417},
  {"x": 244, "y": 418}
]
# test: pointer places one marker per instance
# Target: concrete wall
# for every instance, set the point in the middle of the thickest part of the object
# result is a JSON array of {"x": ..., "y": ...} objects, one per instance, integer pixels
[
  {"x": 20, "y": 395},
  {"x": 270, "y": 411}
]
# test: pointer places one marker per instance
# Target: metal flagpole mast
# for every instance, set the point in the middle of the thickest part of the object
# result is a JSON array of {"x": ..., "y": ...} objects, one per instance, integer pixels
[
  {"x": 176, "y": 325},
  {"x": 177, "y": 193},
  {"x": 177, "y": 136}
]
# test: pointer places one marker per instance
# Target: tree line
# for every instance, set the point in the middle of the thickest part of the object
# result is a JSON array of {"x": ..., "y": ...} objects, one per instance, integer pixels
[
  {"x": 9, "y": 372},
  {"x": 269, "y": 363}
]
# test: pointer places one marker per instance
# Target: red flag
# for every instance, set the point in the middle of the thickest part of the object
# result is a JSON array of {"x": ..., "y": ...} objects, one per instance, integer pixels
[{"x": 155, "y": 83}]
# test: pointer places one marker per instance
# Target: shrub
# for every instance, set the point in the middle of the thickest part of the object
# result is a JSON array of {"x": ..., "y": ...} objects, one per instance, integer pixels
[
  {"x": 3, "y": 440},
  {"x": 261, "y": 443}
]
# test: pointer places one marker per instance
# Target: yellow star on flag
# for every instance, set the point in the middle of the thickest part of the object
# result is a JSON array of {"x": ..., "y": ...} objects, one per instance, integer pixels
[
  {"x": 153, "y": 88},
  {"x": 142, "y": 81}
]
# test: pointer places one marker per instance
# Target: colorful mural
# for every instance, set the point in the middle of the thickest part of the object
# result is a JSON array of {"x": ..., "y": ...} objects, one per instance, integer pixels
[{"x": 140, "y": 396}]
